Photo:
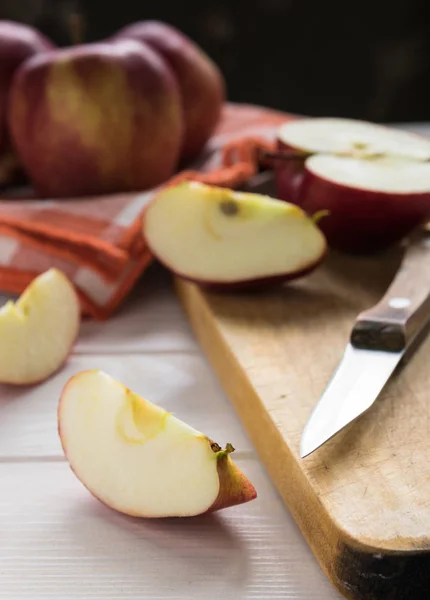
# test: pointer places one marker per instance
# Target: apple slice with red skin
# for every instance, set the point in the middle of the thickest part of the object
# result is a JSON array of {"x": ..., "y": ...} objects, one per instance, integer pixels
[
  {"x": 373, "y": 180},
  {"x": 139, "y": 459},
  {"x": 37, "y": 331},
  {"x": 227, "y": 239}
]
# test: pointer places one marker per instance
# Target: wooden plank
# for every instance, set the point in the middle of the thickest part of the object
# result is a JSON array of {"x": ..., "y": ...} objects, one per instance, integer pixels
[
  {"x": 59, "y": 543},
  {"x": 182, "y": 384},
  {"x": 150, "y": 320},
  {"x": 363, "y": 500}
]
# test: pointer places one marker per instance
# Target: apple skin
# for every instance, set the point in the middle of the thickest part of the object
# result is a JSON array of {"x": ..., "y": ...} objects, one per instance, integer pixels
[
  {"x": 235, "y": 488},
  {"x": 201, "y": 83},
  {"x": 289, "y": 174},
  {"x": 361, "y": 221},
  {"x": 18, "y": 42},
  {"x": 252, "y": 285},
  {"x": 110, "y": 116}
]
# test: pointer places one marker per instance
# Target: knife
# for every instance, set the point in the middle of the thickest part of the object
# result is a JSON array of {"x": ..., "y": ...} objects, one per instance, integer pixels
[{"x": 378, "y": 342}]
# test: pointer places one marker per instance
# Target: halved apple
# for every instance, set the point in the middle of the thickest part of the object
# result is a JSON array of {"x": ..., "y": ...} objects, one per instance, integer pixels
[
  {"x": 38, "y": 331},
  {"x": 219, "y": 237},
  {"x": 373, "y": 180},
  {"x": 371, "y": 204},
  {"x": 139, "y": 459}
]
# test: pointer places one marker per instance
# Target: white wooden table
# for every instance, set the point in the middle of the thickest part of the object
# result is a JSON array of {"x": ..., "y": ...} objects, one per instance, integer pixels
[{"x": 57, "y": 541}]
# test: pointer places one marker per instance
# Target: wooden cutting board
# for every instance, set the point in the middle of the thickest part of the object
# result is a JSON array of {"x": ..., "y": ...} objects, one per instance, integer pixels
[{"x": 362, "y": 501}]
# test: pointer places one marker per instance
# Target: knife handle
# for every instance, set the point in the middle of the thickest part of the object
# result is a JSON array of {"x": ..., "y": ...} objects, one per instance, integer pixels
[{"x": 391, "y": 324}]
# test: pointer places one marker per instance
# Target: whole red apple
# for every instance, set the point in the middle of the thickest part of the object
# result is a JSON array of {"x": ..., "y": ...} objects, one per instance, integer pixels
[
  {"x": 96, "y": 118},
  {"x": 201, "y": 82},
  {"x": 17, "y": 43}
]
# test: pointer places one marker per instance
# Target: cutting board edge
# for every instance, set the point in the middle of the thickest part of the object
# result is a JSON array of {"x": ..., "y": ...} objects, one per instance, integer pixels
[
  {"x": 335, "y": 550},
  {"x": 188, "y": 295}
]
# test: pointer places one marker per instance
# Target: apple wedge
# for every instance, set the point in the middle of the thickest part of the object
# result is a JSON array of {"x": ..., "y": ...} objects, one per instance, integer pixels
[
  {"x": 373, "y": 180},
  {"x": 140, "y": 460},
  {"x": 223, "y": 238},
  {"x": 38, "y": 331}
]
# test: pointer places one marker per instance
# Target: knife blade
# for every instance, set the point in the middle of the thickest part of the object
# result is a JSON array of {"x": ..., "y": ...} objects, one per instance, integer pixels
[{"x": 379, "y": 339}]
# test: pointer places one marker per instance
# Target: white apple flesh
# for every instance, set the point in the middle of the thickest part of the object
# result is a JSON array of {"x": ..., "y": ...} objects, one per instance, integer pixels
[
  {"x": 218, "y": 237},
  {"x": 351, "y": 137},
  {"x": 373, "y": 180},
  {"x": 38, "y": 331},
  {"x": 140, "y": 460}
]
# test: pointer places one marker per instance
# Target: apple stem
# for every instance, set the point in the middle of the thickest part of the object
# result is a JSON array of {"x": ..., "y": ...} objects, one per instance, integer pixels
[
  {"x": 219, "y": 451},
  {"x": 320, "y": 214},
  {"x": 76, "y": 28}
]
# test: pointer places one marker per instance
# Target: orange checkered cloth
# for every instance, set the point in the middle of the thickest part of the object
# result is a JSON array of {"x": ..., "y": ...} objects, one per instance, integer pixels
[{"x": 97, "y": 241}]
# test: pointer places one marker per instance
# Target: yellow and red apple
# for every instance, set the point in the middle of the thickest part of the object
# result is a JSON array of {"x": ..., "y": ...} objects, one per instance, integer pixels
[
  {"x": 201, "y": 82},
  {"x": 18, "y": 42},
  {"x": 140, "y": 460},
  {"x": 96, "y": 118}
]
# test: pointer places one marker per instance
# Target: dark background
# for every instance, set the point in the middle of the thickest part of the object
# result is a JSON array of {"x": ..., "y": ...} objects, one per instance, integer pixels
[{"x": 368, "y": 60}]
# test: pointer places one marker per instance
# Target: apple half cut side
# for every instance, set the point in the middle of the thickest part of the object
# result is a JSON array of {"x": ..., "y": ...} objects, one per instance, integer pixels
[
  {"x": 140, "y": 460},
  {"x": 351, "y": 137},
  {"x": 372, "y": 179},
  {"x": 339, "y": 137},
  {"x": 38, "y": 331},
  {"x": 222, "y": 238}
]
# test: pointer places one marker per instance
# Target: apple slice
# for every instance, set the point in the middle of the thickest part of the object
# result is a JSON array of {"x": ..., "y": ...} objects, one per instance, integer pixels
[
  {"x": 373, "y": 180},
  {"x": 223, "y": 238},
  {"x": 139, "y": 459},
  {"x": 38, "y": 331}
]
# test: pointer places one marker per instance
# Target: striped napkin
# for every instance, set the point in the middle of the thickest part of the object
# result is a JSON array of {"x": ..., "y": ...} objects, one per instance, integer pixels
[{"x": 97, "y": 241}]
